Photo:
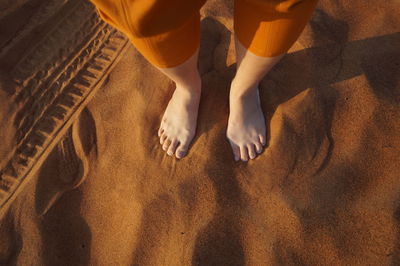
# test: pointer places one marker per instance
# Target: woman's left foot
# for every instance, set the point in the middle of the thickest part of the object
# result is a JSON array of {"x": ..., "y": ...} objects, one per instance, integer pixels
[{"x": 246, "y": 130}]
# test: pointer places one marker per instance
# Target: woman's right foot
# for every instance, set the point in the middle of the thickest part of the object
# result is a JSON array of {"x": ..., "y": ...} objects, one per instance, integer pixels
[{"x": 178, "y": 124}]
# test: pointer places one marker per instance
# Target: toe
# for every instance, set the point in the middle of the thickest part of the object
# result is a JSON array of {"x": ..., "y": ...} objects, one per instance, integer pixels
[
  {"x": 236, "y": 151},
  {"x": 259, "y": 147},
  {"x": 182, "y": 149},
  {"x": 166, "y": 144},
  {"x": 163, "y": 138},
  {"x": 172, "y": 147},
  {"x": 160, "y": 131},
  {"x": 262, "y": 139},
  {"x": 252, "y": 152},
  {"x": 244, "y": 153}
]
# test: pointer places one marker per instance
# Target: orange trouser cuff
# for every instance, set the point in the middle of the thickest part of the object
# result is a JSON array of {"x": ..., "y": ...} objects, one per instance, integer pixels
[
  {"x": 270, "y": 28},
  {"x": 171, "y": 48},
  {"x": 166, "y": 49}
]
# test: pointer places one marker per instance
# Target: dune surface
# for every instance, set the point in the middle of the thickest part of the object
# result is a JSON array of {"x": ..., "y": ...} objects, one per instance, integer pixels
[{"x": 326, "y": 190}]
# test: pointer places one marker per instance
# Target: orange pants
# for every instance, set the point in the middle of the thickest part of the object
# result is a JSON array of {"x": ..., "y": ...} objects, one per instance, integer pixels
[{"x": 167, "y": 32}]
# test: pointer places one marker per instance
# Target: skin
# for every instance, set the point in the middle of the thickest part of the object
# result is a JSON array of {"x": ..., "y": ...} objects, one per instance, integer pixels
[
  {"x": 246, "y": 130},
  {"x": 178, "y": 124}
]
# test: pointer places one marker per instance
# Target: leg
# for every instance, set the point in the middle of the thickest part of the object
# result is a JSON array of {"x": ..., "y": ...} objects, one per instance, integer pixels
[
  {"x": 169, "y": 39},
  {"x": 178, "y": 124},
  {"x": 175, "y": 54},
  {"x": 264, "y": 30},
  {"x": 246, "y": 130}
]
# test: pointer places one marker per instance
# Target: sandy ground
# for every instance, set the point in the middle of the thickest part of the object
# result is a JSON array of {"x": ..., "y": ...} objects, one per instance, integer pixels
[{"x": 326, "y": 191}]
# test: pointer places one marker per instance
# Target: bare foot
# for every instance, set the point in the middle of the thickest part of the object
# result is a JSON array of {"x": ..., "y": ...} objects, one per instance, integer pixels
[
  {"x": 178, "y": 125},
  {"x": 246, "y": 130}
]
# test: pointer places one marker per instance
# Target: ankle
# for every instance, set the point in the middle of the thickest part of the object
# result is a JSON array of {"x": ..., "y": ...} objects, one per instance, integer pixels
[
  {"x": 192, "y": 85},
  {"x": 241, "y": 92},
  {"x": 191, "y": 91}
]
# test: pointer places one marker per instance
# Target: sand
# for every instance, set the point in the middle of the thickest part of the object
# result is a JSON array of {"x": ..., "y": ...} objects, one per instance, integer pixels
[{"x": 326, "y": 191}]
